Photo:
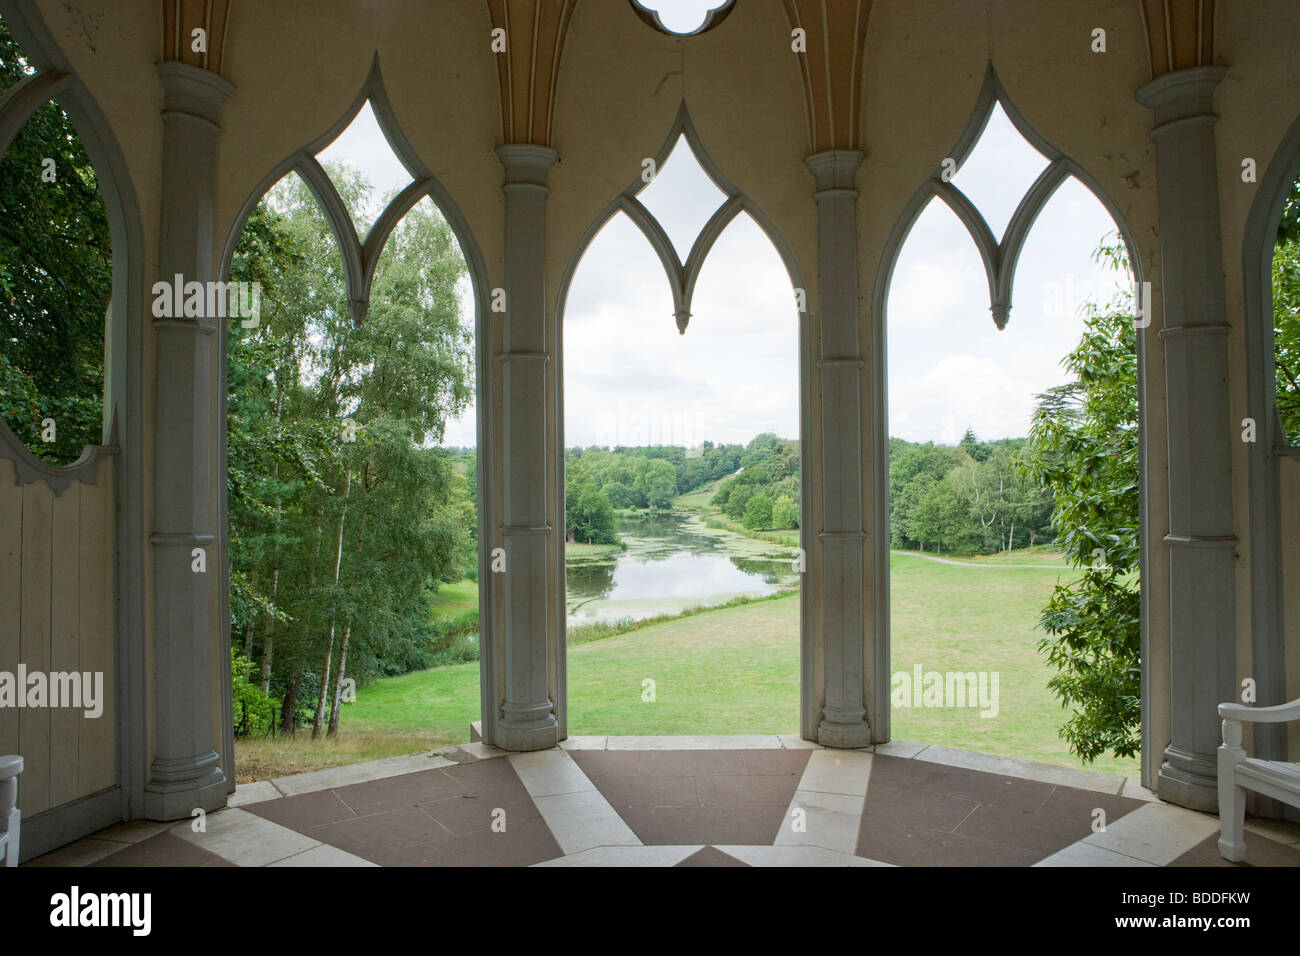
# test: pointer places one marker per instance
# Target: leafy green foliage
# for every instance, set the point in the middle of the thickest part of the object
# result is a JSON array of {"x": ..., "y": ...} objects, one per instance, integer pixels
[
  {"x": 969, "y": 499},
  {"x": 758, "y": 512},
  {"x": 344, "y": 517},
  {"x": 1286, "y": 333},
  {"x": 56, "y": 278},
  {"x": 1083, "y": 445}
]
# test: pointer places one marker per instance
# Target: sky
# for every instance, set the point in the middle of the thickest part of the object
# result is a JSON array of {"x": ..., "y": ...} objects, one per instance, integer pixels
[{"x": 630, "y": 378}]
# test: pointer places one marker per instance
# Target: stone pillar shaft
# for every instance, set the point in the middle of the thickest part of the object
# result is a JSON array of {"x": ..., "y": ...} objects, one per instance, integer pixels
[
  {"x": 1194, "y": 334},
  {"x": 528, "y": 712},
  {"x": 185, "y": 772},
  {"x": 844, "y": 720}
]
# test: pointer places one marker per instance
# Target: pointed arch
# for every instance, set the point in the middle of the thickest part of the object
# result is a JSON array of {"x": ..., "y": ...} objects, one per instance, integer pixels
[
  {"x": 1000, "y": 259},
  {"x": 682, "y": 276},
  {"x": 124, "y": 378},
  {"x": 360, "y": 261},
  {"x": 1264, "y": 456},
  {"x": 999, "y": 256},
  {"x": 361, "y": 257}
]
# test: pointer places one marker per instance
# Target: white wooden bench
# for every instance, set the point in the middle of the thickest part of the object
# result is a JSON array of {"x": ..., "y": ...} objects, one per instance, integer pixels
[
  {"x": 10, "y": 767},
  {"x": 1239, "y": 773}
]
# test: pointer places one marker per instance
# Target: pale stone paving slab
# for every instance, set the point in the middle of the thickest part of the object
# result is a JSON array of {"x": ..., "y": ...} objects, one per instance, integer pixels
[
  {"x": 244, "y": 838},
  {"x": 481, "y": 750},
  {"x": 583, "y": 743},
  {"x": 1134, "y": 790},
  {"x": 324, "y": 855},
  {"x": 1157, "y": 833},
  {"x": 837, "y": 771},
  {"x": 796, "y": 856},
  {"x": 358, "y": 773},
  {"x": 82, "y": 853},
  {"x": 545, "y": 773},
  {"x": 829, "y": 820},
  {"x": 698, "y": 742},
  {"x": 257, "y": 792},
  {"x": 900, "y": 748},
  {"x": 135, "y": 832},
  {"x": 1085, "y": 854},
  {"x": 626, "y": 856},
  {"x": 1025, "y": 769},
  {"x": 581, "y": 821},
  {"x": 794, "y": 742},
  {"x": 578, "y": 815}
]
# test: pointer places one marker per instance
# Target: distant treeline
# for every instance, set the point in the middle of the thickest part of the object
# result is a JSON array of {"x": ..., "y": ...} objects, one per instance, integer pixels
[{"x": 968, "y": 498}]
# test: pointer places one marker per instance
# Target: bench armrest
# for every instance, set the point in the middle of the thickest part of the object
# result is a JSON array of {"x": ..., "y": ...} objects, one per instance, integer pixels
[{"x": 1276, "y": 714}]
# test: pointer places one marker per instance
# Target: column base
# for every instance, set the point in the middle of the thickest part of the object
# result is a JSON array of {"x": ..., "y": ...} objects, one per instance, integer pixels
[
  {"x": 527, "y": 727},
  {"x": 844, "y": 734},
  {"x": 176, "y": 788},
  {"x": 1189, "y": 780}
]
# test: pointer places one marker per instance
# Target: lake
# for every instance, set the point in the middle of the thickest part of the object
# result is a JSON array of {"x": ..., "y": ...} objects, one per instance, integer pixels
[{"x": 672, "y": 562}]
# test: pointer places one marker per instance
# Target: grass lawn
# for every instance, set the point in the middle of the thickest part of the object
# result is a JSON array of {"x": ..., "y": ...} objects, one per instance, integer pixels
[
  {"x": 453, "y": 600},
  {"x": 736, "y": 670}
]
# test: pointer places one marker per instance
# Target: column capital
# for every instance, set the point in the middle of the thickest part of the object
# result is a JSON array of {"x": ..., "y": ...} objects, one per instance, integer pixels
[
  {"x": 1183, "y": 94},
  {"x": 835, "y": 169},
  {"x": 192, "y": 92},
  {"x": 526, "y": 164}
]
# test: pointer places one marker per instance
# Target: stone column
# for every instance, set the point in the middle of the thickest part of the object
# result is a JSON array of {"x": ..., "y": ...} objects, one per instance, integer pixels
[
  {"x": 185, "y": 772},
  {"x": 528, "y": 712},
  {"x": 844, "y": 720},
  {"x": 1194, "y": 333}
]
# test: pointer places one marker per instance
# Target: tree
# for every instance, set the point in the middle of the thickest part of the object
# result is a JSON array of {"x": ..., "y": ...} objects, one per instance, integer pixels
[
  {"x": 785, "y": 513},
  {"x": 1286, "y": 329},
  {"x": 659, "y": 484},
  {"x": 56, "y": 277},
  {"x": 1083, "y": 445},
  {"x": 758, "y": 512},
  {"x": 343, "y": 519},
  {"x": 939, "y": 516}
]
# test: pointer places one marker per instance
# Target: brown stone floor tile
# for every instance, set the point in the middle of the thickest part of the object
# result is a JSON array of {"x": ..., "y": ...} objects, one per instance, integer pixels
[
  {"x": 522, "y": 844},
  {"x": 990, "y": 788},
  {"x": 692, "y": 763},
  {"x": 649, "y": 791},
  {"x": 909, "y": 845},
  {"x": 711, "y": 856},
  {"x": 376, "y": 836},
  {"x": 470, "y": 812},
  {"x": 775, "y": 763},
  {"x": 304, "y": 811},
  {"x": 748, "y": 791},
  {"x": 895, "y": 804},
  {"x": 484, "y": 775},
  {"x": 165, "y": 849},
  {"x": 392, "y": 793},
  {"x": 607, "y": 763},
  {"x": 675, "y": 826},
  {"x": 1040, "y": 832},
  {"x": 1260, "y": 851}
]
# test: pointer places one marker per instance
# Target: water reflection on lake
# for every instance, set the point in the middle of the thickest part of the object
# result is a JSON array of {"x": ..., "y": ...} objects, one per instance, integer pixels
[{"x": 673, "y": 562}]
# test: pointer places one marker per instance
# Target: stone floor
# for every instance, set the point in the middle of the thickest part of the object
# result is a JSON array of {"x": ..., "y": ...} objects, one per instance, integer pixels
[{"x": 688, "y": 801}]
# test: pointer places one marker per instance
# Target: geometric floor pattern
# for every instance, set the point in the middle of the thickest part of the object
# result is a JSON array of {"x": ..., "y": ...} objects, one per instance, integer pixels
[{"x": 688, "y": 801}]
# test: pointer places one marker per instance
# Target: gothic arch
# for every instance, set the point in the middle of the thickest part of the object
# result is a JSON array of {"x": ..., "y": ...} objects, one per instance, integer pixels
[
  {"x": 682, "y": 278},
  {"x": 123, "y": 374},
  {"x": 1264, "y": 455},
  {"x": 359, "y": 262},
  {"x": 999, "y": 259}
]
